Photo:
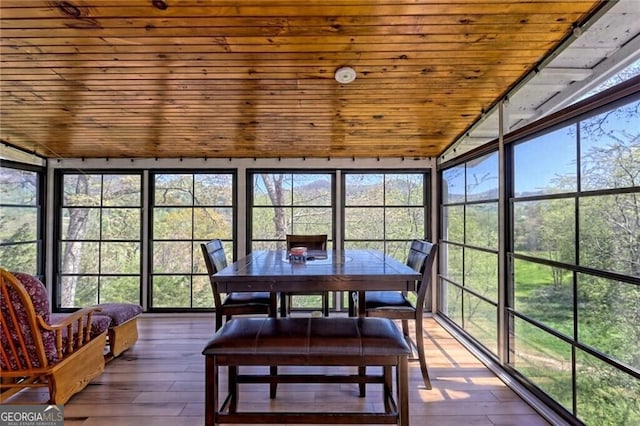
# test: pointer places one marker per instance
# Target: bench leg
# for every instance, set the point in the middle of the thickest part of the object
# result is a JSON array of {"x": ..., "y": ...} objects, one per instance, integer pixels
[
  {"x": 283, "y": 304},
  {"x": 273, "y": 385},
  {"x": 233, "y": 388},
  {"x": 387, "y": 391},
  {"x": 325, "y": 303},
  {"x": 402, "y": 383},
  {"x": 211, "y": 391}
]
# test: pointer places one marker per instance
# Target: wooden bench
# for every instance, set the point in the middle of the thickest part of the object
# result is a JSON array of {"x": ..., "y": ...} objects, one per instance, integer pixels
[{"x": 353, "y": 342}]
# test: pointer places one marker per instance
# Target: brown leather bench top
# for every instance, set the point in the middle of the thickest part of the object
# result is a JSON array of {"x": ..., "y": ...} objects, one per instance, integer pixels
[{"x": 308, "y": 337}]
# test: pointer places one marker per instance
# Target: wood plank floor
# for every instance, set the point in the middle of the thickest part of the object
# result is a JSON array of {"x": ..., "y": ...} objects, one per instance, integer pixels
[{"x": 160, "y": 382}]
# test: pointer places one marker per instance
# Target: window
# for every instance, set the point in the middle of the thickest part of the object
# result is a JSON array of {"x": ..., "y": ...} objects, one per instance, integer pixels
[
  {"x": 469, "y": 248},
  {"x": 290, "y": 203},
  {"x": 385, "y": 211},
  {"x": 576, "y": 265},
  {"x": 99, "y": 238},
  {"x": 20, "y": 218},
  {"x": 188, "y": 209}
]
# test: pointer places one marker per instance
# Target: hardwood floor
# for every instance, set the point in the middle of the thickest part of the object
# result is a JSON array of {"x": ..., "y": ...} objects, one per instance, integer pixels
[{"x": 160, "y": 382}]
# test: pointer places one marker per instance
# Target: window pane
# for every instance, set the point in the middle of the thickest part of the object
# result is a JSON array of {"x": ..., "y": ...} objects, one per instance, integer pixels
[
  {"x": 79, "y": 291},
  {"x": 453, "y": 224},
  {"x": 610, "y": 149},
  {"x": 311, "y": 190},
  {"x": 172, "y": 224},
  {"x": 398, "y": 249},
  {"x": 610, "y": 233},
  {"x": 544, "y": 359},
  {"x": 82, "y": 190},
  {"x": 482, "y": 178},
  {"x": 119, "y": 258},
  {"x": 545, "y": 294},
  {"x": 404, "y": 190},
  {"x": 119, "y": 289},
  {"x": 210, "y": 223},
  {"x": 404, "y": 223},
  {"x": 481, "y": 272},
  {"x": 307, "y": 220},
  {"x": 481, "y": 225},
  {"x": 264, "y": 225},
  {"x": 605, "y": 395},
  {"x": 172, "y": 257},
  {"x": 364, "y": 189},
  {"x": 268, "y": 245},
  {"x": 122, "y": 190},
  {"x": 18, "y": 187},
  {"x": 20, "y": 233},
  {"x": 80, "y": 224},
  {"x": 481, "y": 321},
  {"x": 199, "y": 266},
  {"x": 546, "y": 164},
  {"x": 451, "y": 259},
  {"x": 20, "y": 258},
  {"x": 545, "y": 229},
  {"x": 608, "y": 317},
  {"x": 452, "y": 296},
  {"x": 270, "y": 189},
  {"x": 202, "y": 293},
  {"x": 453, "y": 186},
  {"x": 172, "y": 291},
  {"x": 121, "y": 224},
  {"x": 18, "y": 224},
  {"x": 80, "y": 257},
  {"x": 364, "y": 245},
  {"x": 364, "y": 223},
  {"x": 173, "y": 190},
  {"x": 213, "y": 190}
]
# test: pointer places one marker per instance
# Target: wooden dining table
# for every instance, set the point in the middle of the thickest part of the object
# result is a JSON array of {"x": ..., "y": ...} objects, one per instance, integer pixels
[{"x": 331, "y": 270}]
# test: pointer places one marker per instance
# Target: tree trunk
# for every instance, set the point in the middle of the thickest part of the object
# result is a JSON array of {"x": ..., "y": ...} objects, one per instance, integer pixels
[{"x": 72, "y": 254}]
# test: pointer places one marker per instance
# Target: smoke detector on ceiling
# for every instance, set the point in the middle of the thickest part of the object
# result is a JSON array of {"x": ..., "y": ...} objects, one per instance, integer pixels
[{"x": 345, "y": 75}]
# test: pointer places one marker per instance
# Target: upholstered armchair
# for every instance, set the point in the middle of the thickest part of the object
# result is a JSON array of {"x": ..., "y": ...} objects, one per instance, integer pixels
[{"x": 63, "y": 354}]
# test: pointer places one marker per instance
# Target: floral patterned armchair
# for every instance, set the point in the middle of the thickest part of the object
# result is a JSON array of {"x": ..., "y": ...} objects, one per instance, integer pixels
[{"x": 64, "y": 354}]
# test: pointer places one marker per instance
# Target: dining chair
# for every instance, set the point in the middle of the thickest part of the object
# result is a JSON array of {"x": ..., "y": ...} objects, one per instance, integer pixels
[
  {"x": 311, "y": 242},
  {"x": 398, "y": 306},
  {"x": 236, "y": 303}
]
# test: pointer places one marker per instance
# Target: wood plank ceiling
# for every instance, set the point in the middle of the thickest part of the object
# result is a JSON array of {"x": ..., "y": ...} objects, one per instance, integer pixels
[{"x": 255, "y": 78}]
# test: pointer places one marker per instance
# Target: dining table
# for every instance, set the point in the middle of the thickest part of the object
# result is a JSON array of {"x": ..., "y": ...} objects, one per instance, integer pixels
[{"x": 352, "y": 270}]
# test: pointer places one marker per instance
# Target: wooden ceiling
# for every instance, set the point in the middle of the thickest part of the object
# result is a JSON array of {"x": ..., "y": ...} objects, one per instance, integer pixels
[{"x": 255, "y": 78}]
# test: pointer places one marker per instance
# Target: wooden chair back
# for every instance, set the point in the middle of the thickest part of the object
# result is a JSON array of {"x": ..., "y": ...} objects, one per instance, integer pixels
[
  {"x": 422, "y": 254},
  {"x": 216, "y": 260},
  {"x": 235, "y": 303},
  {"x": 311, "y": 242},
  {"x": 23, "y": 349}
]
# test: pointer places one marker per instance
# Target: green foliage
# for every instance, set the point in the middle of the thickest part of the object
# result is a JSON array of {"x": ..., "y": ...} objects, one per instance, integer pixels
[
  {"x": 171, "y": 291},
  {"x": 22, "y": 254}
]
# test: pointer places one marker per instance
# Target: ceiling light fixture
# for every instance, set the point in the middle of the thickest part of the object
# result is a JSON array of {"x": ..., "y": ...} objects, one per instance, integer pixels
[{"x": 345, "y": 75}]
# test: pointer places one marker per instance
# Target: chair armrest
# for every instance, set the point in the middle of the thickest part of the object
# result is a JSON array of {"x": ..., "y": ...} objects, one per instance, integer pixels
[{"x": 72, "y": 332}]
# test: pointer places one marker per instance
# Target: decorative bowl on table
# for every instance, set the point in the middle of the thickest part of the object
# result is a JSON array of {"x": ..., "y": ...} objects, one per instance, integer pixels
[{"x": 298, "y": 254}]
